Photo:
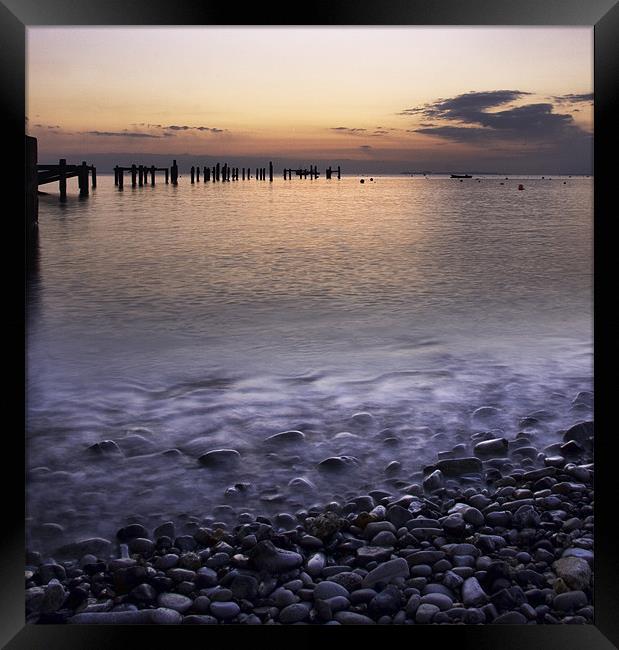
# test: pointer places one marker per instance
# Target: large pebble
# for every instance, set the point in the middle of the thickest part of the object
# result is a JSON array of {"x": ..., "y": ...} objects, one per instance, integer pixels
[{"x": 220, "y": 458}]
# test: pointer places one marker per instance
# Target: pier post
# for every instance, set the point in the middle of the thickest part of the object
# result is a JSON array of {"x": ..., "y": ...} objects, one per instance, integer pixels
[
  {"x": 141, "y": 175},
  {"x": 93, "y": 171},
  {"x": 243, "y": 170},
  {"x": 83, "y": 179},
  {"x": 133, "y": 175},
  {"x": 152, "y": 175},
  {"x": 32, "y": 191},
  {"x": 271, "y": 171},
  {"x": 174, "y": 173},
  {"x": 204, "y": 174},
  {"x": 193, "y": 174},
  {"x": 62, "y": 178},
  {"x": 198, "y": 174},
  {"x": 339, "y": 174},
  {"x": 115, "y": 174},
  {"x": 217, "y": 171},
  {"x": 166, "y": 176},
  {"x": 121, "y": 177}
]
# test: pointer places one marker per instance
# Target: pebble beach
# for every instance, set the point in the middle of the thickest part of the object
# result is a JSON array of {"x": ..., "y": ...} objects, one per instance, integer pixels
[{"x": 498, "y": 531}]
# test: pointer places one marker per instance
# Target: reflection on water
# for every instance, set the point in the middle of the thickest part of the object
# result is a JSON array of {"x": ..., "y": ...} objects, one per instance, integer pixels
[{"x": 215, "y": 315}]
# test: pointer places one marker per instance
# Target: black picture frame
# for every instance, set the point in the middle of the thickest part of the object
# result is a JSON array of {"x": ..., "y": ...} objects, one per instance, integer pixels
[{"x": 603, "y": 15}]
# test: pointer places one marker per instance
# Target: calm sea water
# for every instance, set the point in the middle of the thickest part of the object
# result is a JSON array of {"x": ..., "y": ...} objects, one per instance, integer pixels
[{"x": 214, "y": 315}]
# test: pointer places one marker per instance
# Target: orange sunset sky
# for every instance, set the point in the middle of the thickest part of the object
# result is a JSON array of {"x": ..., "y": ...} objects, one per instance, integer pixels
[{"x": 384, "y": 99}]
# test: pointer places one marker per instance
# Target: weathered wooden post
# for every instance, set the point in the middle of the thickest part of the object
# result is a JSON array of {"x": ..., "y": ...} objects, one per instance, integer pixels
[
  {"x": 328, "y": 172},
  {"x": 166, "y": 176},
  {"x": 134, "y": 171},
  {"x": 217, "y": 171},
  {"x": 193, "y": 174},
  {"x": 243, "y": 172},
  {"x": 141, "y": 175},
  {"x": 271, "y": 171},
  {"x": 198, "y": 174},
  {"x": 62, "y": 178},
  {"x": 93, "y": 171},
  {"x": 152, "y": 175},
  {"x": 83, "y": 179},
  {"x": 115, "y": 175},
  {"x": 121, "y": 178},
  {"x": 32, "y": 190},
  {"x": 339, "y": 174},
  {"x": 174, "y": 173},
  {"x": 204, "y": 174}
]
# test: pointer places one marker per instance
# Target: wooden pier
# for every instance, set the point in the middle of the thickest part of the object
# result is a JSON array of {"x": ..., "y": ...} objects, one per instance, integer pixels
[{"x": 60, "y": 172}]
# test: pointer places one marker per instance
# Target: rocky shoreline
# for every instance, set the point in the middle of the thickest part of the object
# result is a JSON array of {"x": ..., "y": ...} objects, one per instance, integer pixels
[{"x": 497, "y": 532}]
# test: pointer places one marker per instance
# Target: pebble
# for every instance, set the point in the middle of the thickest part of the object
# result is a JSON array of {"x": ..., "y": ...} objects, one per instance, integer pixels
[
  {"x": 220, "y": 458},
  {"x": 177, "y": 602},
  {"x": 294, "y": 613},
  {"x": 352, "y": 618},
  {"x": 425, "y": 613},
  {"x": 472, "y": 593},
  {"x": 225, "y": 610}
]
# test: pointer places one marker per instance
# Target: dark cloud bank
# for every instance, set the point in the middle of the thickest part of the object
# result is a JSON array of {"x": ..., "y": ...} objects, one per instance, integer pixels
[{"x": 540, "y": 137}]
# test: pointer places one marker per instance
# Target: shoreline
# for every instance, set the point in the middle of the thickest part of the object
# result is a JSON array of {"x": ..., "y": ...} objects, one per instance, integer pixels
[{"x": 485, "y": 539}]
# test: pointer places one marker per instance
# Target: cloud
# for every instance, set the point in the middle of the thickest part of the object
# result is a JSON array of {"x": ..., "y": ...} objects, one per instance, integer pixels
[
  {"x": 346, "y": 129},
  {"x": 467, "y": 119},
  {"x": 184, "y": 127},
  {"x": 466, "y": 105},
  {"x": 115, "y": 134},
  {"x": 573, "y": 98}
]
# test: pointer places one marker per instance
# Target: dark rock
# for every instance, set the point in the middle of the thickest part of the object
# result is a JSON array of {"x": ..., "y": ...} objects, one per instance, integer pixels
[
  {"x": 570, "y": 601},
  {"x": 388, "y": 601},
  {"x": 131, "y": 532},
  {"x": 510, "y": 618},
  {"x": 387, "y": 571},
  {"x": 266, "y": 556},
  {"x": 338, "y": 464},
  {"x": 159, "y": 616},
  {"x": 324, "y": 525},
  {"x": 352, "y": 618},
  {"x": 491, "y": 448},
  {"x": 472, "y": 593},
  {"x": 460, "y": 466},
  {"x": 220, "y": 458},
  {"x": 225, "y": 610},
  {"x": 286, "y": 437},
  {"x": 580, "y": 433},
  {"x": 367, "y": 554}
]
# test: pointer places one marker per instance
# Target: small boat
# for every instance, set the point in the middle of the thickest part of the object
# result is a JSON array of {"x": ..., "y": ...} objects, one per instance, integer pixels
[{"x": 461, "y": 176}]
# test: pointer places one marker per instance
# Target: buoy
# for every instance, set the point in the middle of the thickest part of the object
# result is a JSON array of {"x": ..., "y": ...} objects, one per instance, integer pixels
[
  {"x": 362, "y": 181},
  {"x": 371, "y": 179},
  {"x": 521, "y": 187},
  {"x": 501, "y": 183}
]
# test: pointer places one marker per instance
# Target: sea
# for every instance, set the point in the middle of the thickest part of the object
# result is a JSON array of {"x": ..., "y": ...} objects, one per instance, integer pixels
[{"x": 374, "y": 318}]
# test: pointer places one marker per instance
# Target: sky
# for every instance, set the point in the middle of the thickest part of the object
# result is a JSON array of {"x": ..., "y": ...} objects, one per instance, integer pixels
[{"x": 388, "y": 99}]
